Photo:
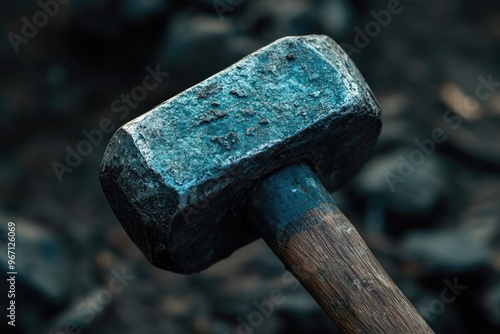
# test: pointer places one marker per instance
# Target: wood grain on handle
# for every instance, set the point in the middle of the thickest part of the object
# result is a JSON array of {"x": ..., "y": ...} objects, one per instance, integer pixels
[{"x": 299, "y": 220}]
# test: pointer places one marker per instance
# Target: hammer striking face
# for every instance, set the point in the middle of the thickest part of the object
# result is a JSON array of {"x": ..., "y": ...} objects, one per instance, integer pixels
[{"x": 177, "y": 176}]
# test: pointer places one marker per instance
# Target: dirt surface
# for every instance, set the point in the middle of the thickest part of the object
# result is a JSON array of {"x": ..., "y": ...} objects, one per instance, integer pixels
[{"x": 427, "y": 203}]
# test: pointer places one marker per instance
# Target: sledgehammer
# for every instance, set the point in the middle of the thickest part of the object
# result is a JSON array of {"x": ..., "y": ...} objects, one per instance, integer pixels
[{"x": 254, "y": 151}]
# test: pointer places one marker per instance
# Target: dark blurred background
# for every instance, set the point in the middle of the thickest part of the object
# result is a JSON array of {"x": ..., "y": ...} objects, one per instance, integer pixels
[{"x": 429, "y": 207}]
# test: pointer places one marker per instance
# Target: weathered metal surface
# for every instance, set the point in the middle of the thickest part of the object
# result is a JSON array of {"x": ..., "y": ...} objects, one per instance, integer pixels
[{"x": 177, "y": 175}]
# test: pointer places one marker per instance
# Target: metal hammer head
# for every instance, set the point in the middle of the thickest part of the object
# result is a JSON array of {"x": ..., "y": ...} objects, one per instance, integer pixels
[{"x": 177, "y": 175}]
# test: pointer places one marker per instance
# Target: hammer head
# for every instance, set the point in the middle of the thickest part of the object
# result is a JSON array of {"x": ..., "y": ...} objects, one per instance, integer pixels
[{"x": 177, "y": 175}]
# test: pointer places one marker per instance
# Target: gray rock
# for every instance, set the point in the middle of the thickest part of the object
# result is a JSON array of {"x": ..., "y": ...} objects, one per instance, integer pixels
[
  {"x": 491, "y": 304},
  {"x": 140, "y": 10},
  {"x": 42, "y": 260},
  {"x": 413, "y": 190},
  {"x": 450, "y": 250}
]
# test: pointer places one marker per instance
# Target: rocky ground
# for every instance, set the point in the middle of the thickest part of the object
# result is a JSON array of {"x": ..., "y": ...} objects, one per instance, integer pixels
[{"x": 427, "y": 203}]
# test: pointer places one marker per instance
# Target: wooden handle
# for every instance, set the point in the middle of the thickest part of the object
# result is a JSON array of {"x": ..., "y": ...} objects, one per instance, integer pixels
[{"x": 298, "y": 219}]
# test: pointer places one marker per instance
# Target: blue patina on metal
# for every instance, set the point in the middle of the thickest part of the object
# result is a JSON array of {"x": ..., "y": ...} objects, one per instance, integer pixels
[{"x": 177, "y": 175}]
